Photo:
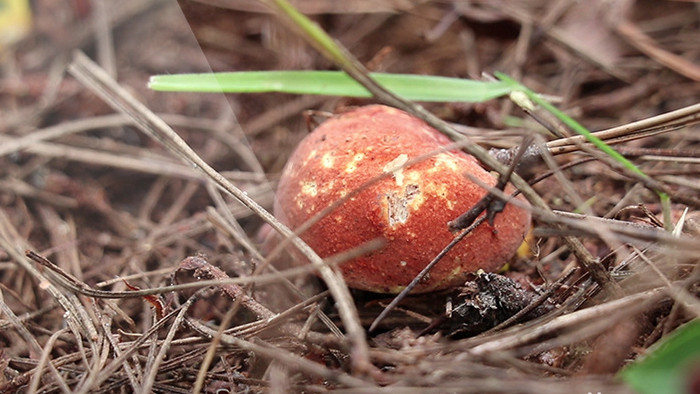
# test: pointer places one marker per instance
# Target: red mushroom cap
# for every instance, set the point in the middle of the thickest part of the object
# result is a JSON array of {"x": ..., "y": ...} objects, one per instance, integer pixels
[{"x": 409, "y": 209}]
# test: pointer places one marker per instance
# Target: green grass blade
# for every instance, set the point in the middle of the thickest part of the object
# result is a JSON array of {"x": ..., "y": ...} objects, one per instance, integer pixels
[
  {"x": 333, "y": 83},
  {"x": 597, "y": 142},
  {"x": 574, "y": 125},
  {"x": 671, "y": 365},
  {"x": 319, "y": 38}
]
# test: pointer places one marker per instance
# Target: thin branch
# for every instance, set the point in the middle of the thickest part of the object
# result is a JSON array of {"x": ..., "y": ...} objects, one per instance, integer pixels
[
  {"x": 97, "y": 80},
  {"x": 521, "y": 337},
  {"x": 335, "y": 52},
  {"x": 424, "y": 271},
  {"x": 150, "y": 378}
]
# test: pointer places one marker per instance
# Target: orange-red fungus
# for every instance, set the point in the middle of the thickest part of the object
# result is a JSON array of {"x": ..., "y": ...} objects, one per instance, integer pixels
[{"x": 409, "y": 208}]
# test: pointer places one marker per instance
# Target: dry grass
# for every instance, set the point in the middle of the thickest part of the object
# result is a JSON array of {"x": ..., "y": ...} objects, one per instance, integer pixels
[{"x": 162, "y": 281}]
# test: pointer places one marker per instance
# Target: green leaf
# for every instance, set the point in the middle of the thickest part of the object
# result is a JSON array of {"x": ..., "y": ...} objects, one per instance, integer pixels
[
  {"x": 333, "y": 83},
  {"x": 671, "y": 364}
]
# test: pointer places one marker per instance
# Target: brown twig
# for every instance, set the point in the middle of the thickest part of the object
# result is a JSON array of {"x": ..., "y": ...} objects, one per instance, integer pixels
[
  {"x": 466, "y": 222},
  {"x": 424, "y": 271},
  {"x": 94, "y": 78},
  {"x": 354, "y": 68}
]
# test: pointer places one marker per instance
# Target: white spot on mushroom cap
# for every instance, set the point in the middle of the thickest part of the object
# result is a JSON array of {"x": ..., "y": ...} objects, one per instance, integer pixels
[
  {"x": 327, "y": 187},
  {"x": 308, "y": 158},
  {"x": 442, "y": 192},
  {"x": 395, "y": 167},
  {"x": 445, "y": 160},
  {"x": 328, "y": 160},
  {"x": 397, "y": 206},
  {"x": 352, "y": 165},
  {"x": 310, "y": 188}
]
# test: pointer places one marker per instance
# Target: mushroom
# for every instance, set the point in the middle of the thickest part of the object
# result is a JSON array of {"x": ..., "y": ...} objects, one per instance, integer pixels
[{"x": 409, "y": 208}]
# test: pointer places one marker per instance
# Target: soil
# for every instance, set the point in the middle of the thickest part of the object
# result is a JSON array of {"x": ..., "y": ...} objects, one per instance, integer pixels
[{"x": 110, "y": 212}]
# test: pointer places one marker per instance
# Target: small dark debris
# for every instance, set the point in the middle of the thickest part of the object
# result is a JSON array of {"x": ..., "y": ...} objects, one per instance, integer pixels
[{"x": 485, "y": 302}]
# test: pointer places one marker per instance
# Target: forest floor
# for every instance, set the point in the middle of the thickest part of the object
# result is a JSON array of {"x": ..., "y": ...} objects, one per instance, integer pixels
[{"x": 116, "y": 211}]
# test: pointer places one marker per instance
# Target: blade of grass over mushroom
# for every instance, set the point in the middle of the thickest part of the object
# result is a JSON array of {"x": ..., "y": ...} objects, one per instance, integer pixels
[
  {"x": 316, "y": 37},
  {"x": 593, "y": 139},
  {"x": 333, "y": 83}
]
